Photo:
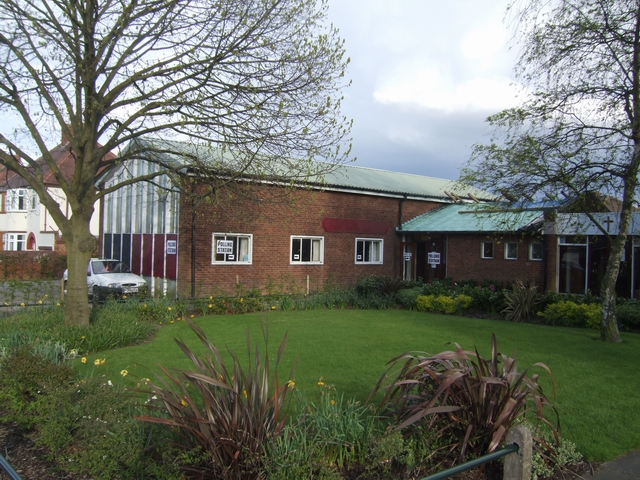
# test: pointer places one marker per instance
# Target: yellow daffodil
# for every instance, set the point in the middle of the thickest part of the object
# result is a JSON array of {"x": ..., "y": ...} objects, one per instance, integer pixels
[
  {"x": 169, "y": 308},
  {"x": 273, "y": 307},
  {"x": 244, "y": 392},
  {"x": 321, "y": 384},
  {"x": 124, "y": 373},
  {"x": 210, "y": 305},
  {"x": 96, "y": 362},
  {"x": 102, "y": 362},
  {"x": 22, "y": 304},
  {"x": 83, "y": 359},
  {"x": 39, "y": 302},
  {"x": 184, "y": 403},
  {"x": 333, "y": 402},
  {"x": 291, "y": 384}
]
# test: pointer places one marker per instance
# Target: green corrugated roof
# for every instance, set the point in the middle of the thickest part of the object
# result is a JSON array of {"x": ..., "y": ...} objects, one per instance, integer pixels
[
  {"x": 395, "y": 183},
  {"x": 344, "y": 177},
  {"x": 465, "y": 218}
]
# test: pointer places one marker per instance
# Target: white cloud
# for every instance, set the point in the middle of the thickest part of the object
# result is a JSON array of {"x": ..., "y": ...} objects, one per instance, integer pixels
[
  {"x": 484, "y": 42},
  {"x": 429, "y": 88}
]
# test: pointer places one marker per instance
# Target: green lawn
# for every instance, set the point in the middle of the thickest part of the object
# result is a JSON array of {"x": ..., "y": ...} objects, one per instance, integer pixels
[{"x": 597, "y": 383}]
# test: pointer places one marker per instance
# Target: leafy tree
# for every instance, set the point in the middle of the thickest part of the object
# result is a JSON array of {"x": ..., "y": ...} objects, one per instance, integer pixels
[
  {"x": 578, "y": 130},
  {"x": 260, "y": 78}
]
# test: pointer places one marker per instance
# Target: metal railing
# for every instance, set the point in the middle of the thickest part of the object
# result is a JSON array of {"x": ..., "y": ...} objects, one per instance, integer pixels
[
  {"x": 6, "y": 466},
  {"x": 476, "y": 462}
]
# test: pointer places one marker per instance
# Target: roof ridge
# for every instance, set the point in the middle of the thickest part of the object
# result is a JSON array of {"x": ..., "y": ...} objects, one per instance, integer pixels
[{"x": 397, "y": 173}]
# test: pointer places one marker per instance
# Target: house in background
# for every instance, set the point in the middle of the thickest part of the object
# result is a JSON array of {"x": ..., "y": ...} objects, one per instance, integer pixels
[
  {"x": 547, "y": 245},
  {"x": 25, "y": 223},
  {"x": 266, "y": 236}
]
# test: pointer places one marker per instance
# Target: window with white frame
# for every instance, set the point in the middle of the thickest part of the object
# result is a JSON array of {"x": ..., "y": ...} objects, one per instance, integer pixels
[
  {"x": 369, "y": 250},
  {"x": 511, "y": 250},
  {"x": 17, "y": 200},
  {"x": 535, "y": 251},
  {"x": 486, "y": 250},
  {"x": 15, "y": 241},
  {"x": 232, "y": 248},
  {"x": 307, "y": 249}
]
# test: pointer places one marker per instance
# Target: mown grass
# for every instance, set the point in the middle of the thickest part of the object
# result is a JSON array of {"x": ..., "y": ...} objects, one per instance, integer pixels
[{"x": 596, "y": 382}]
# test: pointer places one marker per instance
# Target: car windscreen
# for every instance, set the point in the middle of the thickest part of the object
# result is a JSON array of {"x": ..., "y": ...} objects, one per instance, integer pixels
[{"x": 109, "y": 266}]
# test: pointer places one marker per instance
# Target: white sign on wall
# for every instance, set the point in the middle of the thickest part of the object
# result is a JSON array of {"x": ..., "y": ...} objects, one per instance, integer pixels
[{"x": 172, "y": 247}]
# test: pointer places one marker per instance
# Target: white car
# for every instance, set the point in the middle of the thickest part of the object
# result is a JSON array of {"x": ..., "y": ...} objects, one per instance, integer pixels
[{"x": 110, "y": 278}]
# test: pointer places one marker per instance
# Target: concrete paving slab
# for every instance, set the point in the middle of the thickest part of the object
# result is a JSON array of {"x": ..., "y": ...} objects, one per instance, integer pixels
[{"x": 626, "y": 467}]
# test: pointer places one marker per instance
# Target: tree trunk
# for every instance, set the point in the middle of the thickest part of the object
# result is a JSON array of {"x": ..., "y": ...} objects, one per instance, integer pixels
[
  {"x": 609, "y": 325},
  {"x": 80, "y": 247}
]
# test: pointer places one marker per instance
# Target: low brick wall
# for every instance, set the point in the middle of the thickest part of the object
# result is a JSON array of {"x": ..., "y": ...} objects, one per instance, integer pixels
[{"x": 31, "y": 265}]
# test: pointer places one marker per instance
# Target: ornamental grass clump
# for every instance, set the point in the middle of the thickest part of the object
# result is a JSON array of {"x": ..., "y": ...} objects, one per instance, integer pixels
[
  {"x": 468, "y": 401},
  {"x": 520, "y": 302},
  {"x": 227, "y": 413}
]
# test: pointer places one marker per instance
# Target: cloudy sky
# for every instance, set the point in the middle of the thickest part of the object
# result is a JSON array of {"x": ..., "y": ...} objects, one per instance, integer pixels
[{"x": 426, "y": 74}]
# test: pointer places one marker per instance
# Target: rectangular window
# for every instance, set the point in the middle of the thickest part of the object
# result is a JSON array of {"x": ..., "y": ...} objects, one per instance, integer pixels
[
  {"x": 15, "y": 241},
  {"x": 307, "y": 250},
  {"x": 487, "y": 250},
  {"x": 511, "y": 250},
  {"x": 232, "y": 248},
  {"x": 368, "y": 250},
  {"x": 535, "y": 251},
  {"x": 16, "y": 200}
]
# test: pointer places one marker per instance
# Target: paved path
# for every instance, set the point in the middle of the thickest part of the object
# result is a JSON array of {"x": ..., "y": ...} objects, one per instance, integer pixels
[{"x": 626, "y": 467}]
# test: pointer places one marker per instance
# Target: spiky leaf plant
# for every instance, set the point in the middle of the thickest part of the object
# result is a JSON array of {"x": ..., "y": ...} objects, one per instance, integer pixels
[
  {"x": 228, "y": 413},
  {"x": 466, "y": 401},
  {"x": 520, "y": 302}
]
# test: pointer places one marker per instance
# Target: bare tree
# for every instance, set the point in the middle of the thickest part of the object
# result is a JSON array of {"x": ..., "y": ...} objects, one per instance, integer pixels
[
  {"x": 578, "y": 131},
  {"x": 259, "y": 78}
]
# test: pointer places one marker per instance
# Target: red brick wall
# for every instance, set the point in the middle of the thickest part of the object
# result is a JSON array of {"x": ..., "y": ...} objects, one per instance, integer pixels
[
  {"x": 272, "y": 221},
  {"x": 31, "y": 265},
  {"x": 465, "y": 263}
]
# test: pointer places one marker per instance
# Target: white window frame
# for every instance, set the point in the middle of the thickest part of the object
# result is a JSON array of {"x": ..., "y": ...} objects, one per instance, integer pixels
[
  {"x": 12, "y": 201},
  {"x": 371, "y": 241},
  {"x": 482, "y": 244},
  {"x": 232, "y": 258},
  {"x": 318, "y": 242},
  {"x": 508, "y": 251},
  {"x": 531, "y": 251},
  {"x": 13, "y": 242}
]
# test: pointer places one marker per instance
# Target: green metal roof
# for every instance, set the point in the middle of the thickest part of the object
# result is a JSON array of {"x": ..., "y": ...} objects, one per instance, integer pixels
[
  {"x": 465, "y": 218},
  {"x": 347, "y": 177},
  {"x": 400, "y": 184}
]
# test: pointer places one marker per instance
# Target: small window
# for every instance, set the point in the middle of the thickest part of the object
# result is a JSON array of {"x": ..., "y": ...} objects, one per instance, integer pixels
[
  {"x": 15, "y": 241},
  {"x": 511, "y": 250},
  {"x": 16, "y": 200},
  {"x": 307, "y": 250},
  {"x": 368, "y": 250},
  {"x": 487, "y": 250},
  {"x": 232, "y": 248},
  {"x": 535, "y": 251}
]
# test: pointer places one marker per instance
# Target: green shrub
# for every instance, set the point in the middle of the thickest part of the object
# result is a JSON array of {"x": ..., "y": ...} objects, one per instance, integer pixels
[
  {"x": 471, "y": 402},
  {"x": 628, "y": 315},
  {"x": 569, "y": 314},
  {"x": 438, "y": 287},
  {"x": 443, "y": 304},
  {"x": 381, "y": 285},
  {"x": 406, "y": 297},
  {"x": 520, "y": 302}
]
